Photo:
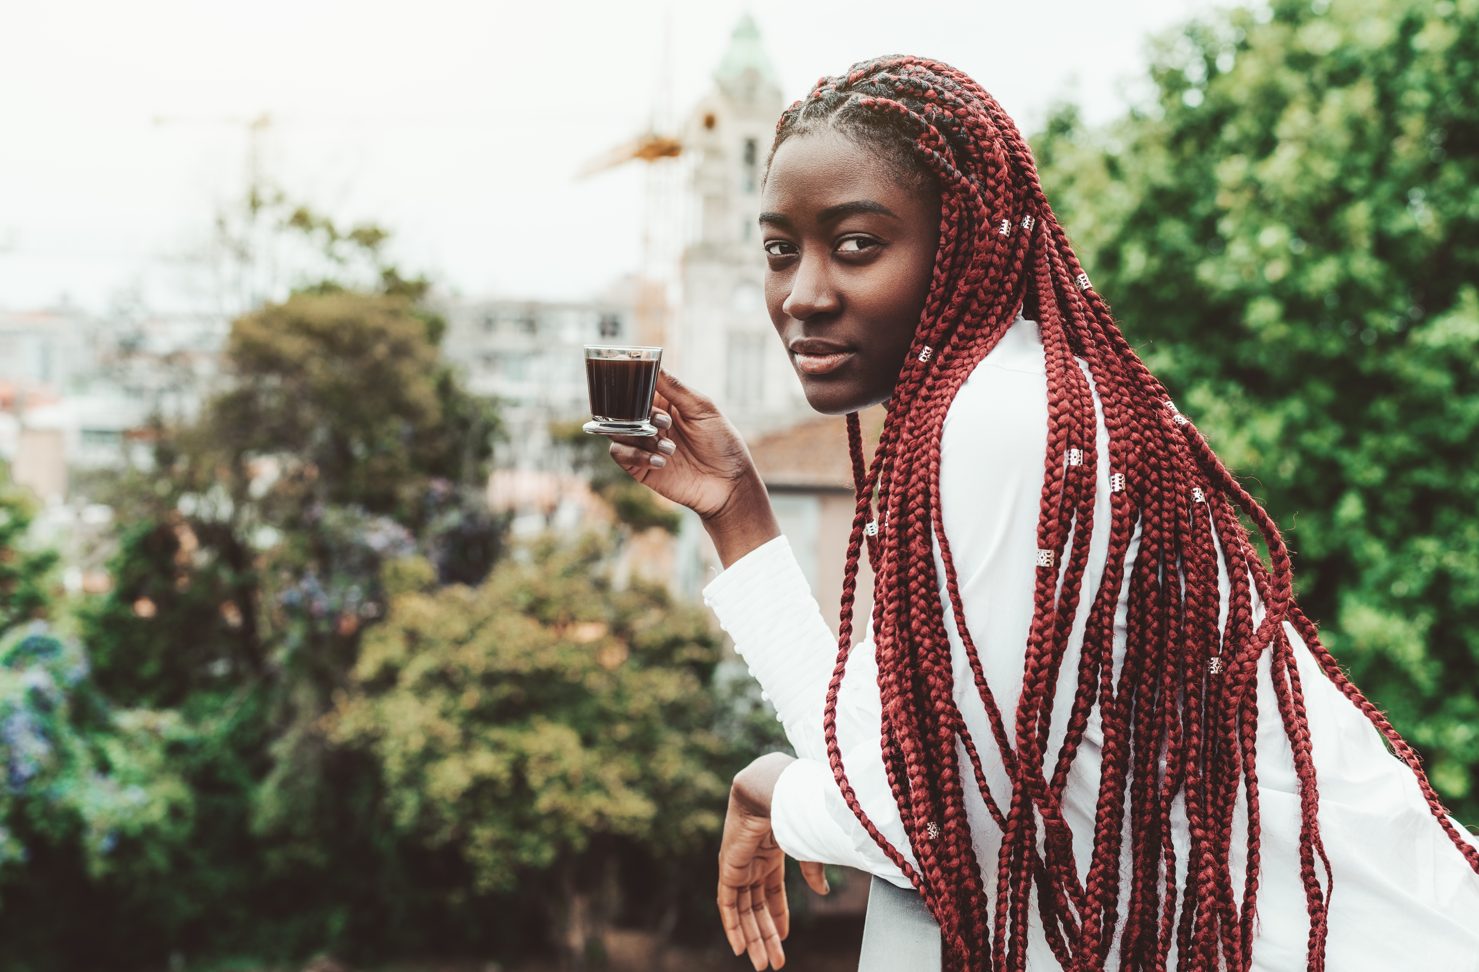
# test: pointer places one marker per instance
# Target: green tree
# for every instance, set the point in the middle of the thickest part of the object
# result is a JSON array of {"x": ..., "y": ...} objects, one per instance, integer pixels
[
  {"x": 249, "y": 569},
  {"x": 93, "y": 810},
  {"x": 25, "y": 573},
  {"x": 1289, "y": 233},
  {"x": 544, "y": 727},
  {"x": 348, "y": 393}
]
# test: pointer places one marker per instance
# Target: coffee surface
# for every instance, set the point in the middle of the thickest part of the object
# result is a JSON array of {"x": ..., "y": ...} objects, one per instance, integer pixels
[{"x": 621, "y": 391}]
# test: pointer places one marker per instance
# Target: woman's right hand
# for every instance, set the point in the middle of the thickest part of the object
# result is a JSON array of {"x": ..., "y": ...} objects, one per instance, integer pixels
[{"x": 699, "y": 460}]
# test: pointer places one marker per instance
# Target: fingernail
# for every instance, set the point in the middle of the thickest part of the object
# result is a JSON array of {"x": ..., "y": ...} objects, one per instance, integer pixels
[
  {"x": 662, "y": 420},
  {"x": 657, "y": 461},
  {"x": 667, "y": 447}
]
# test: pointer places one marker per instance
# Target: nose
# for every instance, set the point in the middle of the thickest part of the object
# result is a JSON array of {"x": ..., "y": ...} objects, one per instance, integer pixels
[{"x": 812, "y": 291}]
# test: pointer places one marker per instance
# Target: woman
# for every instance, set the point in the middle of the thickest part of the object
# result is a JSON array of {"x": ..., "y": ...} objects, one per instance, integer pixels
[{"x": 1133, "y": 752}]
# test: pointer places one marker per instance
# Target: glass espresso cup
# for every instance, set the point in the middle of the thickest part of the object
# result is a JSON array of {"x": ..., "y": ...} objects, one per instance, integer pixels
[{"x": 621, "y": 380}]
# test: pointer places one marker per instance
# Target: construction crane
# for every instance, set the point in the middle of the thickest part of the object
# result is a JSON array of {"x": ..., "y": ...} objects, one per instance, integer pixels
[
  {"x": 246, "y": 244},
  {"x": 657, "y": 151},
  {"x": 647, "y": 147}
]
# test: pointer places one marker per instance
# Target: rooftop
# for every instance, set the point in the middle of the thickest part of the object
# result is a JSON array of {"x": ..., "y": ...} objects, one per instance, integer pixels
[{"x": 812, "y": 454}]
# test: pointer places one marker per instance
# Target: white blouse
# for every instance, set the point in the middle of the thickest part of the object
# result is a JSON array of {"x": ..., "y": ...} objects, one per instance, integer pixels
[{"x": 1403, "y": 896}]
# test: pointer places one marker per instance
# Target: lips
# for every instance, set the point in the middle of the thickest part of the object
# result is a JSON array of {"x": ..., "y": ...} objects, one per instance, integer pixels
[{"x": 817, "y": 357}]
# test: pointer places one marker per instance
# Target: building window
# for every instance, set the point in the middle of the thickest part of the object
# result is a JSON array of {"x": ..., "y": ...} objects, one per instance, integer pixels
[
  {"x": 800, "y": 518},
  {"x": 743, "y": 379},
  {"x": 751, "y": 169},
  {"x": 99, "y": 438},
  {"x": 609, "y": 326}
]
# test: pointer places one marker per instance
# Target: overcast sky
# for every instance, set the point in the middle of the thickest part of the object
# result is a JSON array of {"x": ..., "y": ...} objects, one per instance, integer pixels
[{"x": 457, "y": 125}]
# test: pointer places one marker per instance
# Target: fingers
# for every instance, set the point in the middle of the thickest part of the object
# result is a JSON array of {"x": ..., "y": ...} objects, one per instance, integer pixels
[
  {"x": 754, "y": 940},
  {"x": 729, "y": 917},
  {"x": 770, "y": 936},
  {"x": 635, "y": 458},
  {"x": 752, "y": 909},
  {"x": 775, "y": 899},
  {"x": 815, "y": 876},
  {"x": 762, "y": 938},
  {"x": 638, "y": 451}
]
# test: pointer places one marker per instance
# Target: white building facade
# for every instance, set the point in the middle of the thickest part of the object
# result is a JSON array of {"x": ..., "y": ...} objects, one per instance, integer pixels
[
  {"x": 529, "y": 356},
  {"x": 721, "y": 339}
]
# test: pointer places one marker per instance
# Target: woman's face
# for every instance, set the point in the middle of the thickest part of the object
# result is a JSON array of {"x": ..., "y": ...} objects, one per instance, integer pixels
[{"x": 849, "y": 252}]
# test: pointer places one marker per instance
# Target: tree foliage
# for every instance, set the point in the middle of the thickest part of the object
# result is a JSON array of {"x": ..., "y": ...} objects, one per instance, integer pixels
[
  {"x": 541, "y": 723},
  {"x": 1289, "y": 234},
  {"x": 92, "y": 804},
  {"x": 313, "y": 719},
  {"x": 248, "y": 569},
  {"x": 24, "y": 572}
]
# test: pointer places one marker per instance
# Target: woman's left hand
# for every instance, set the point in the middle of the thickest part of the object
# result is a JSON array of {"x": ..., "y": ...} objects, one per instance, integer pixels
[{"x": 752, "y": 876}]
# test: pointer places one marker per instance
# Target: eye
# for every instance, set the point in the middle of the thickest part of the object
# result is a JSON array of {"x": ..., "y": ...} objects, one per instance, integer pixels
[
  {"x": 778, "y": 248},
  {"x": 857, "y": 244}
]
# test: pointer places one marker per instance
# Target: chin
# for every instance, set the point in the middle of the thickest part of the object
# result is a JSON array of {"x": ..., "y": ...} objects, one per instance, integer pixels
[{"x": 838, "y": 399}]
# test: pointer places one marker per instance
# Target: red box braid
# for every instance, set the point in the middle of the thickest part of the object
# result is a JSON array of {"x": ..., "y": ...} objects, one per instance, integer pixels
[{"x": 1181, "y": 717}]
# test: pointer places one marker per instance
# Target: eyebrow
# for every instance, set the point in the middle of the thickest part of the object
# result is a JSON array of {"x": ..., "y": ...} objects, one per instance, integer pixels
[{"x": 833, "y": 213}]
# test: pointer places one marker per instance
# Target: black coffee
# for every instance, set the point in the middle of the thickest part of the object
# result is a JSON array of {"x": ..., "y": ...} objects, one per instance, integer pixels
[{"x": 621, "y": 389}]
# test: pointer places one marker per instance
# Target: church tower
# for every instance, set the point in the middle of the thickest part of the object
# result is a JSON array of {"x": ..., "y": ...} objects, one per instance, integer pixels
[{"x": 722, "y": 339}]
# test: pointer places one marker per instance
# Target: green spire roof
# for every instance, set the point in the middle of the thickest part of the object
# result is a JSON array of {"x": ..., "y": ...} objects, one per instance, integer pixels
[{"x": 746, "y": 52}]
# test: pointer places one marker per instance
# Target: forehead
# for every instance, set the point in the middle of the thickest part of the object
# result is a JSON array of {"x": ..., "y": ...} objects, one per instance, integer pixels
[{"x": 817, "y": 169}]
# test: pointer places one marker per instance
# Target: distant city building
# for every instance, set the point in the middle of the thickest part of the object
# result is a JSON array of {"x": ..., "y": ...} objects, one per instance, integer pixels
[
  {"x": 721, "y": 337},
  {"x": 808, "y": 470},
  {"x": 45, "y": 352},
  {"x": 529, "y": 356},
  {"x": 171, "y": 363},
  {"x": 61, "y": 408}
]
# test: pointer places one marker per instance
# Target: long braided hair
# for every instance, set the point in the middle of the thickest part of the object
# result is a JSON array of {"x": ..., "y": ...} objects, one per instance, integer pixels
[{"x": 1180, "y": 718}]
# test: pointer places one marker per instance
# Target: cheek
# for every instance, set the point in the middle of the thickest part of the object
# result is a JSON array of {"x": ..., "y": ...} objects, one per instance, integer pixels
[
  {"x": 897, "y": 297},
  {"x": 922, "y": 273}
]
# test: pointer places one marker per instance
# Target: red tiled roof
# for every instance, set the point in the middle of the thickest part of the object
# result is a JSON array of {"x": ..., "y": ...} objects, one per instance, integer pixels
[{"x": 813, "y": 454}]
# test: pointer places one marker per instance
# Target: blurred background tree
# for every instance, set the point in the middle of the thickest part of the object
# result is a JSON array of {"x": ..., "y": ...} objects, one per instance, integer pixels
[
  {"x": 1290, "y": 237},
  {"x": 552, "y": 733},
  {"x": 95, "y": 813},
  {"x": 25, "y": 573},
  {"x": 322, "y": 697}
]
